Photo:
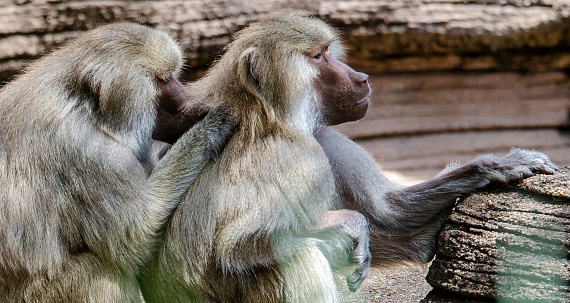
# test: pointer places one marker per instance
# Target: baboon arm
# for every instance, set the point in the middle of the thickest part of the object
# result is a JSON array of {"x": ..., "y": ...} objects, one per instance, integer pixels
[
  {"x": 194, "y": 150},
  {"x": 364, "y": 188},
  {"x": 404, "y": 216}
]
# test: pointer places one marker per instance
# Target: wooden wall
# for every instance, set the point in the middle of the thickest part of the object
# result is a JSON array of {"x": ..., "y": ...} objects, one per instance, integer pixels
[
  {"x": 452, "y": 79},
  {"x": 419, "y": 122}
]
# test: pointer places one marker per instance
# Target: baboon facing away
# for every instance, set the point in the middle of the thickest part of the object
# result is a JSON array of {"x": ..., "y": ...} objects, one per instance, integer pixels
[
  {"x": 81, "y": 197},
  {"x": 263, "y": 223}
]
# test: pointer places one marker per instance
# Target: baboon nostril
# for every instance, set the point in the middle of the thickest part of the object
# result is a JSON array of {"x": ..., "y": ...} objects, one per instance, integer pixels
[{"x": 360, "y": 78}]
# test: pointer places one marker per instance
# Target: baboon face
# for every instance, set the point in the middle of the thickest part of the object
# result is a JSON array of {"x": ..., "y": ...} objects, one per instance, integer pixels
[
  {"x": 343, "y": 91},
  {"x": 171, "y": 120},
  {"x": 171, "y": 97}
]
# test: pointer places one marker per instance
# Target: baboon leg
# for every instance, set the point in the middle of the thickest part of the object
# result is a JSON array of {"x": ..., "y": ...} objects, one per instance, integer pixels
[
  {"x": 82, "y": 278},
  {"x": 308, "y": 277}
]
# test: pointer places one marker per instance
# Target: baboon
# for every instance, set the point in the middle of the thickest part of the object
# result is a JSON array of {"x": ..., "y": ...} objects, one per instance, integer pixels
[
  {"x": 264, "y": 223},
  {"x": 247, "y": 230},
  {"x": 82, "y": 198}
]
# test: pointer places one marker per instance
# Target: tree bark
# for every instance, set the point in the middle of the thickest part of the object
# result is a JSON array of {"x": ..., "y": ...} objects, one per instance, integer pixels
[{"x": 508, "y": 244}]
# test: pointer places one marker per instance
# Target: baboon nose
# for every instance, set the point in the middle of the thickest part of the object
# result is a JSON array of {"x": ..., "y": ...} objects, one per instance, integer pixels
[{"x": 360, "y": 78}]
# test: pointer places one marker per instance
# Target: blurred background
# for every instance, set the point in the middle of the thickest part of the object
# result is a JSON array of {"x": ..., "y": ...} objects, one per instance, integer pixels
[{"x": 451, "y": 79}]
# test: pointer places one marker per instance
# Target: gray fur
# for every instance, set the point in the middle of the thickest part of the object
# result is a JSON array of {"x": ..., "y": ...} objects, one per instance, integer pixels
[{"x": 405, "y": 221}]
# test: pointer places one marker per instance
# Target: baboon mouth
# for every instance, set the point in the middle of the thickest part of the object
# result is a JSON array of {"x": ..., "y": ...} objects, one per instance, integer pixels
[{"x": 359, "y": 103}]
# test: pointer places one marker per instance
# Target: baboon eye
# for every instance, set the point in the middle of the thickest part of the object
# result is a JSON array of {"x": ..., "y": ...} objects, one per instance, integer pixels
[
  {"x": 325, "y": 51},
  {"x": 165, "y": 80}
]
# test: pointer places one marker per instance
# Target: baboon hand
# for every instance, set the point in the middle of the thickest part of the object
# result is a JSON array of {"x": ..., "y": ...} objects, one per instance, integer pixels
[
  {"x": 219, "y": 126},
  {"x": 357, "y": 229},
  {"x": 517, "y": 165},
  {"x": 537, "y": 162}
]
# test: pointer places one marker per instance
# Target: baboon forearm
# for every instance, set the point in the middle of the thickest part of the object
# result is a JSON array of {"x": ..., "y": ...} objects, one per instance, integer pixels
[
  {"x": 403, "y": 211},
  {"x": 186, "y": 159},
  {"x": 426, "y": 199},
  {"x": 419, "y": 204}
]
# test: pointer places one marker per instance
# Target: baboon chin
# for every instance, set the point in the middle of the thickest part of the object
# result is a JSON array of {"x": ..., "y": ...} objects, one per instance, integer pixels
[{"x": 83, "y": 199}]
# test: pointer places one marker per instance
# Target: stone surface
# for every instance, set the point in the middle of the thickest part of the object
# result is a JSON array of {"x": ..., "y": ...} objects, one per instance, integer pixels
[{"x": 509, "y": 244}]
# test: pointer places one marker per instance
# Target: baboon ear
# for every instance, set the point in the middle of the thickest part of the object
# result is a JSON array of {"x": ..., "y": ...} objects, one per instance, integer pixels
[{"x": 248, "y": 59}]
